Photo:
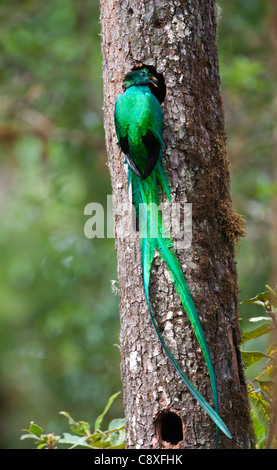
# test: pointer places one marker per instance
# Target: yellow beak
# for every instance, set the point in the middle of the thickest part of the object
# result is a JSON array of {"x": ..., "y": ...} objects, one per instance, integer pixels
[{"x": 154, "y": 81}]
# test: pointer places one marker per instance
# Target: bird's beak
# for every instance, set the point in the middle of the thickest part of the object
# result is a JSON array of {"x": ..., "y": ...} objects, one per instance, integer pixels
[{"x": 154, "y": 81}]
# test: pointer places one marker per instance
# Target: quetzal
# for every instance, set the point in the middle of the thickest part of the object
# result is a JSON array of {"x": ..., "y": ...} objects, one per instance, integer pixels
[{"x": 139, "y": 126}]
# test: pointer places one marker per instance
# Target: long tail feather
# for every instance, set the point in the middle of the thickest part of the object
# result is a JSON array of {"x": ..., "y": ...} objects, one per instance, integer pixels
[
  {"x": 200, "y": 399},
  {"x": 144, "y": 193},
  {"x": 163, "y": 246}
]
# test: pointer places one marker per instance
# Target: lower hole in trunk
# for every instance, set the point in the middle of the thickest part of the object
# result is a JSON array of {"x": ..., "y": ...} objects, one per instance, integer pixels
[{"x": 169, "y": 427}]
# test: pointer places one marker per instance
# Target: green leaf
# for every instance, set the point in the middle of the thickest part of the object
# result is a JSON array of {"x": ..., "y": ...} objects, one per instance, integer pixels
[
  {"x": 267, "y": 373},
  {"x": 116, "y": 424},
  {"x": 28, "y": 436},
  {"x": 42, "y": 445},
  {"x": 260, "y": 432},
  {"x": 74, "y": 441},
  {"x": 273, "y": 293},
  {"x": 267, "y": 298},
  {"x": 82, "y": 428},
  {"x": 118, "y": 446},
  {"x": 98, "y": 422},
  {"x": 34, "y": 429},
  {"x": 117, "y": 429},
  {"x": 272, "y": 350},
  {"x": 251, "y": 357},
  {"x": 266, "y": 381},
  {"x": 67, "y": 415},
  {"x": 261, "y": 409},
  {"x": 259, "y": 299},
  {"x": 257, "y": 332}
]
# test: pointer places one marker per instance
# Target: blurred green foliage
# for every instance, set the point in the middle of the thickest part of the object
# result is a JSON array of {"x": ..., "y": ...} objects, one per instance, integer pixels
[
  {"x": 247, "y": 56},
  {"x": 262, "y": 389},
  {"x": 247, "y": 36},
  {"x": 248, "y": 72},
  {"x": 58, "y": 315}
]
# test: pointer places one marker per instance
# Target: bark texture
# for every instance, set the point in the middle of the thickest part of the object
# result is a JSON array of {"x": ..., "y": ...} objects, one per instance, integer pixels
[{"x": 178, "y": 38}]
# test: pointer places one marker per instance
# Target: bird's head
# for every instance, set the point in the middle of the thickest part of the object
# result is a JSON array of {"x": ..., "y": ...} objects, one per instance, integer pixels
[{"x": 139, "y": 78}]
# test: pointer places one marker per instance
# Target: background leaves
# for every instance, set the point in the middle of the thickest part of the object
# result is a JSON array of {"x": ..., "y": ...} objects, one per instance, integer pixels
[
  {"x": 59, "y": 317},
  {"x": 262, "y": 389}
]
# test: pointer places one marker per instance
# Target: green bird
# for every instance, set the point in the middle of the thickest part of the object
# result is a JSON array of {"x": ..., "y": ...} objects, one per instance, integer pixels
[{"x": 139, "y": 126}]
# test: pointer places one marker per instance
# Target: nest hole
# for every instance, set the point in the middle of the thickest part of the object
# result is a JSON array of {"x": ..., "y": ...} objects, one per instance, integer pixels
[{"x": 169, "y": 427}]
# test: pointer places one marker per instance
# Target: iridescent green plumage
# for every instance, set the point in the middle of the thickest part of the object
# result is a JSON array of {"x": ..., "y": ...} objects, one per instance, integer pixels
[{"x": 138, "y": 124}]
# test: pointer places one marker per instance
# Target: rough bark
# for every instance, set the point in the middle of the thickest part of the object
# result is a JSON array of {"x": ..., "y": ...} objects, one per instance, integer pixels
[{"x": 178, "y": 38}]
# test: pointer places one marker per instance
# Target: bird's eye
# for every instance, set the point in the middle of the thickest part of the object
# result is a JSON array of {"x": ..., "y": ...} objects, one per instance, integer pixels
[{"x": 143, "y": 74}]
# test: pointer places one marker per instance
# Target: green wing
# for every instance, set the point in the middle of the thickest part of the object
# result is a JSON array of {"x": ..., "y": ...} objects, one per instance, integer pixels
[{"x": 138, "y": 124}]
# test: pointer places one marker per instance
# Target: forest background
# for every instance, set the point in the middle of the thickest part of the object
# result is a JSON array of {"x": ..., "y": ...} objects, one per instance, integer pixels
[{"x": 59, "y": 319}]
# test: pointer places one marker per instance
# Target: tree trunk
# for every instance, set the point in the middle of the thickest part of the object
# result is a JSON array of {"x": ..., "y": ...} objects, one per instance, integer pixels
[{"x": 178, "y": 38}]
